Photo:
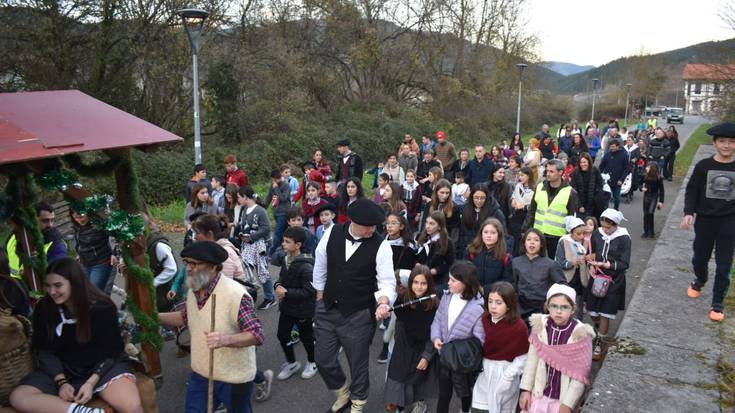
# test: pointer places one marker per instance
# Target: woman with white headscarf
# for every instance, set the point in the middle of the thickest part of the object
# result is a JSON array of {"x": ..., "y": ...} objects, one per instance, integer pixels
[{"x": 609, "y": 258}]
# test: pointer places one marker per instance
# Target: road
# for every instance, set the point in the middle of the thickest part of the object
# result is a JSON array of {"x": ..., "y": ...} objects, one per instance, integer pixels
[{"x": 311, "y": 396}]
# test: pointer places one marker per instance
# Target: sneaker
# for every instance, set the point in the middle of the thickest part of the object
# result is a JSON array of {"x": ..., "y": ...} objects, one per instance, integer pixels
[
  {"x": 263, "y": 390},
  {"x": 597, "y": 351},
  {"x": 295, "y": 338},
  {"x": 288, "y": 369},
  {"x": 716, "y": 315},
  {"x": 694, "y": 291},
  {"x": 266, "y": 304},
  {"x": 381, "y": 326},
  {"x": 419, "y": 407},
  {"x": 310, "y": 371}
]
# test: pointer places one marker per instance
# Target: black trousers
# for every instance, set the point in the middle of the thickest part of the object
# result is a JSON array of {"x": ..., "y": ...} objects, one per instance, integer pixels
[
  {"x": 649, "y": 208},
  {"x": 446, "y": 387},
  {"x": 714, "y": 233},
  {"x": 551, "y": 243},
  {"x": 306, "y": 334},
  {"x": 668, "y": 171}
]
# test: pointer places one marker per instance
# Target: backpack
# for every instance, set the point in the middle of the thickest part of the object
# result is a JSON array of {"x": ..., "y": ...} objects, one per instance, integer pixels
[{"x": 156, "y": 264}]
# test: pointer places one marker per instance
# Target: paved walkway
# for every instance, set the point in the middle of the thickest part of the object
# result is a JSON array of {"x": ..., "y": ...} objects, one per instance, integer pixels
[{"x": 681, "y": 346}]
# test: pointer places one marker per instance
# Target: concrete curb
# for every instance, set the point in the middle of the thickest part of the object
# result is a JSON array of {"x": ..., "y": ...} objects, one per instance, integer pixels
[{"x": 681, "y": 345}]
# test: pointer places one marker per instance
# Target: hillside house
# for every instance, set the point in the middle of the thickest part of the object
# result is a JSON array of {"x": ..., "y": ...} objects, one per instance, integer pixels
[{"x": 704, "y": 86}]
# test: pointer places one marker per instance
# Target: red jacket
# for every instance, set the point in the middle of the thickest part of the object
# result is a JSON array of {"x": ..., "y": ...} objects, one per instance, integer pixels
[
  {"x": 239, "y": 178},
  {"x": 314, "y": 176}
]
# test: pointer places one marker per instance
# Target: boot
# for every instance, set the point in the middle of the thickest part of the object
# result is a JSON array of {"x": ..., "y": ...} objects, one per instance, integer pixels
[
  {"x": 343, "y": 399},
  {"x": 358, "y": 406}
]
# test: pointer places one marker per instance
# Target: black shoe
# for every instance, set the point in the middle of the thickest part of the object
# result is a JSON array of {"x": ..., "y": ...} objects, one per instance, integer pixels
[
  {"x": 266, "y": 304},
  {"x": 644, "y": 235}
]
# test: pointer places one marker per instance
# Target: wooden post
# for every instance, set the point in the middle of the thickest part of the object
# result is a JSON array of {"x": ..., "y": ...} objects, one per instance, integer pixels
[{"x": 127, "y": 198}]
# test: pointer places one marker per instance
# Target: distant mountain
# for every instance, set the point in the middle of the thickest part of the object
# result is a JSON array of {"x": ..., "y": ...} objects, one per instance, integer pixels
[
  {"x": 566, "y": 69},
  {"x": 670, "y": 63}
]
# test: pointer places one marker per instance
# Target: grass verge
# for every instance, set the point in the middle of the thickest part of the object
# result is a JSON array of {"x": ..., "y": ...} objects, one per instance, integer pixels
[{"x": 686, "y": 154}]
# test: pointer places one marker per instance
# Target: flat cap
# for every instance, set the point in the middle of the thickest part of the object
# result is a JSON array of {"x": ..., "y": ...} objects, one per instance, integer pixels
[
  {"x": 366, "y": 212},
  {"x": 723, "y": 130},
  {"x": 205, "y": 251},
  {"x": 326, "y": 207},
  {"x": 343, "y": 142}
]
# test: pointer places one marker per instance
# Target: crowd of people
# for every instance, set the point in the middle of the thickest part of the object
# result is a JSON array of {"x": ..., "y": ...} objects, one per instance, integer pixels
[{"x": 479, "y": 267}]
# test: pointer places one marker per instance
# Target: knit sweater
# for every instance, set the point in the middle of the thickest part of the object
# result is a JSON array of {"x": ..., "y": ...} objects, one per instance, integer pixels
[{"x": 445, "y": 154}]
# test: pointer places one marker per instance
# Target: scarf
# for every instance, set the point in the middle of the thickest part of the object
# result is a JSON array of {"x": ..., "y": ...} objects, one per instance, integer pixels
[
  {"x": 572, "y": 359},
  {"x": 64, "y": 320}
]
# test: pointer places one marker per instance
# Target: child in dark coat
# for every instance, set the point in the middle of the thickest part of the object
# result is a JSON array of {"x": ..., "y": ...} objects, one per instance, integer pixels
[{"x": 297, "y": 299}]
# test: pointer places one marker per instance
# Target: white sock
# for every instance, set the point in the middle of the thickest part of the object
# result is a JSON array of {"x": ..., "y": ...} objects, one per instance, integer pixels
[{"x": 79, "y": 408}]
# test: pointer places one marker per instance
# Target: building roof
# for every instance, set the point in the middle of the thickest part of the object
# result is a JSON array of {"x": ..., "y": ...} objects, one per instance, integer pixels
[
  {"x": 36, "y": 125},
  {"x": 700, "y": 71}
]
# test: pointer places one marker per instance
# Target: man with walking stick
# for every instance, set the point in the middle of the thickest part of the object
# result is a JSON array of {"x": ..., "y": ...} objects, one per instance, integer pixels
[
  {"x": 355, "y": 284},
  {"x": 238, "y": 330}
]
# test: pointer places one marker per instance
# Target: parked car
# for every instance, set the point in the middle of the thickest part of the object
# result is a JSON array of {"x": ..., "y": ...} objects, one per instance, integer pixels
[{"x": 675, "y": 115}]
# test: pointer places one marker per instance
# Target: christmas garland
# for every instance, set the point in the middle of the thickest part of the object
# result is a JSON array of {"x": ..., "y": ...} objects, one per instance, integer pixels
[
  {"x": 23, "y": 191},
  {"x": 124, "y": 227}
]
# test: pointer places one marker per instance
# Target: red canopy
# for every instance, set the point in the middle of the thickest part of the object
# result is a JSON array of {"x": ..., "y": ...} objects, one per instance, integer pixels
[{"x": 35, "y": 125}]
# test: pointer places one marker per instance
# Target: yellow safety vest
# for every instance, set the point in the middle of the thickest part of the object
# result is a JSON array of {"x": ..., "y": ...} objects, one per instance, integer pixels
[
  {"x": 16, "y": 267},
  {"x": 549, "y": 219}
]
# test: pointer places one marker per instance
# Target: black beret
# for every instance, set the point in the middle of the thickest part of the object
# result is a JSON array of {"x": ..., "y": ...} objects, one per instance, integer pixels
[
  {"x": 723, "y": 130},
  {"x": 205, "y": 251},
  {"x": 326, "y": 207},
  {"x": 343, "y": 142},
  {"x": 366, "y": 212}
]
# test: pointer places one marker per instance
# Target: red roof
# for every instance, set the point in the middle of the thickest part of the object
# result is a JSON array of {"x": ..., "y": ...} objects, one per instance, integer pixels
[
  {"x": 35, "y": 125},
  {"x": 709, "y": 72}
]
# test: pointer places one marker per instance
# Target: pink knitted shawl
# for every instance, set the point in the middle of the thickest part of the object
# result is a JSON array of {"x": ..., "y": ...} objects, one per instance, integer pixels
[{"x": 573, "y": 359}]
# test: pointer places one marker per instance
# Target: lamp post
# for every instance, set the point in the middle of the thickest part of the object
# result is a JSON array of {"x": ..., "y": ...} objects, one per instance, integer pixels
[
  {"x": 194, "y": 26},
  {"x": 627, "y": 102},
  {"x": 521, "y": 67},
  {"x": 594, "y": 94}
]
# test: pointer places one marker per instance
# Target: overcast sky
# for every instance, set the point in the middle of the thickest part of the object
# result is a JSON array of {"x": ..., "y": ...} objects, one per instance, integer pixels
[{"x": 614, "y": 28}]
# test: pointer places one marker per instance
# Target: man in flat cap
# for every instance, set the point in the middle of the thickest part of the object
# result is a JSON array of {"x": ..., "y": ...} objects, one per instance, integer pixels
[
  {"x": 710, "y": 196},
  {"x": 348, "y": 163},
  {"x": 355, "y": 284},
  {"x": 238, "y": 330}
]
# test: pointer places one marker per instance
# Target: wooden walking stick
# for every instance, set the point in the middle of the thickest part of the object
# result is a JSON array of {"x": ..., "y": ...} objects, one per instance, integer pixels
[{"x": 210, "y": 388}]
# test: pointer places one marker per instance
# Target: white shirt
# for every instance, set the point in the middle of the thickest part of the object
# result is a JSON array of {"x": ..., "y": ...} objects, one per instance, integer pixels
[
  {"x": 383, "y": 265},
  {"x": 456, "y": 304},
  {"x": 164, "y": 255}
]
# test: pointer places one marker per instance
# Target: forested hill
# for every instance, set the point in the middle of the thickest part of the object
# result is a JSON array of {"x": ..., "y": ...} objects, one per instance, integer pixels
[{"x": 621, "y": 71}]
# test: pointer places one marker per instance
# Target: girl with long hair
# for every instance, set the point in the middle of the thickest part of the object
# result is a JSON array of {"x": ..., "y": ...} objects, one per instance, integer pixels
[
  {"x": 504, "y": 351},
  {"x": 351, "y": 191},
  {"x": 587, "y": 181},
  {"x": 200, "y": 202},
  {"x": 489, "y": 253},
  {"x": 481, "y": 206},
  {"x": 441, "y": 200},
  {"x": 413, "y": 370},
  {"x": 311, "y": 204},
  {"x": 653, "y": 198},
  {"x": 532, "y": 159},
  {"x": 436, "y": 250},
  {"x": 78, "y": 347},
  {"x": 501, "y": 190},
  {"x": 392, "y": 199},
  {"x": 230, "y": 201},
  {"x": 252, "y": 232},
  {"x": 458, "y": 318}
]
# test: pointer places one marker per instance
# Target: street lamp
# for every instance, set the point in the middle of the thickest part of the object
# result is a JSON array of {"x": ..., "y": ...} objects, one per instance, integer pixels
[
  {"x": 627, "y": 102},
  {"x": 194, "y": 26},
  {"x": 594, "y": 94},
  {"x": 521, "y": 67}
]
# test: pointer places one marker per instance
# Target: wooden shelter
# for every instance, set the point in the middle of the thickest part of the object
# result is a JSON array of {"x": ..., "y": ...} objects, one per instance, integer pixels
[{"x": 41, "y": 132}]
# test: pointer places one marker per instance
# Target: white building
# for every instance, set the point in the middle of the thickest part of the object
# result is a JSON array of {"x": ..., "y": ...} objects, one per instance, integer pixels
[{"x": 704, "y": 85}]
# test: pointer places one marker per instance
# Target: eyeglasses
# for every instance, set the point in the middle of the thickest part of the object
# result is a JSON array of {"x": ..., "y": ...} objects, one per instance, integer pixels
[
  {"x": 564, "y": 308},
  {"x": 193, "y": 264}
]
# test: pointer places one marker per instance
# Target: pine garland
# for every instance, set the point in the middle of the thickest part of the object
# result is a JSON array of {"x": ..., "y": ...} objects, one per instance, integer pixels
[
  {"x": 59, "y": 179},
  {"x": 149, "y": 324},
  {"x": 95, "y": 169},
  {"x": 24, "y": 193}
]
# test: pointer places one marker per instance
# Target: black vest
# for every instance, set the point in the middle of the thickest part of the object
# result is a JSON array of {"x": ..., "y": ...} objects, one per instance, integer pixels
[{"x": 350, "y": 285}]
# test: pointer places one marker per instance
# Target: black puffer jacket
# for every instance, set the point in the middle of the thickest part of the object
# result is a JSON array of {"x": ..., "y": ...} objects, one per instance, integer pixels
[
  {"x": 300, "y": 298},
  {"x": 92, "y": 245}
]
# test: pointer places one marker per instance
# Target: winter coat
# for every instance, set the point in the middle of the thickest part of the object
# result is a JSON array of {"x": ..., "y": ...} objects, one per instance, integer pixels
[
  {"x": 408, "y": 162},
  {"x": 567, "y": 252},
  {"x": 300, "y": 299},
  {"x": 616, "y": 164},
  {"x": 479, "y": 172},
  {"x": 491, "y": 270},
  {"x": 588, "y": 185},
  {"x": 283, "y": 193},
  {"x": 434, "y": 260},
  {"x": 535, "y": 373},
  {"x": 659, "y": 149},
  {"x": 532, "y": 278},
  {"x": 565, "y": 144},
  {"x": 467, "y": 325}
]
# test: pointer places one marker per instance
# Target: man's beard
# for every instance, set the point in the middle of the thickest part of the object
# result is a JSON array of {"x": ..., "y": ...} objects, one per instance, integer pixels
[{"x": 197, "y": 280}]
